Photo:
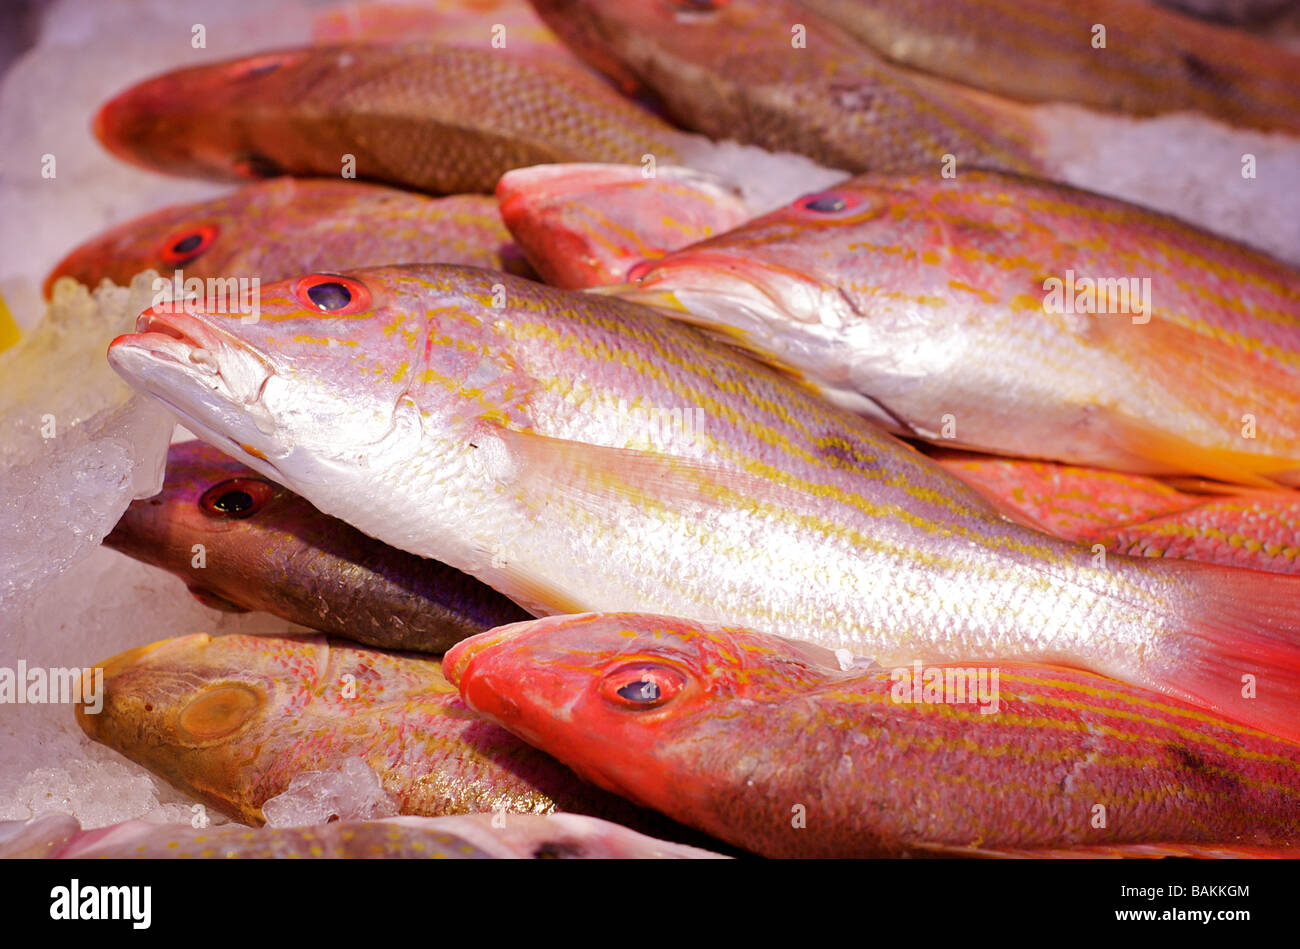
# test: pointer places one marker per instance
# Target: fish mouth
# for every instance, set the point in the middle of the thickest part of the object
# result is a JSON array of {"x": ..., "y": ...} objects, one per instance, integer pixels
[{"x": 200, "y": 372}]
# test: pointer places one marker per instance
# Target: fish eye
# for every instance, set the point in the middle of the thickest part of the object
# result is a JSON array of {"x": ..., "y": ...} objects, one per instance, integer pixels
[
  {"x": 330, "y": 293},
  {"x": 826, "y": 202},
  {"x": 188, "y": 244},
  {"x": 642, "y": 686},
  {"x": 236, "y": 498},
  {"x": 218, "y": 711}
]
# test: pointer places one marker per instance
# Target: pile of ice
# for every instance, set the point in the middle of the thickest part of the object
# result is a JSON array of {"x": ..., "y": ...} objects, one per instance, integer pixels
[{"x": 350, "y": 791}]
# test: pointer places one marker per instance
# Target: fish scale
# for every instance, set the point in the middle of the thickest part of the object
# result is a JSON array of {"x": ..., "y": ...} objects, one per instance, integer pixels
[
  {"x": 443, "y": 119},
  {"x": 511, "y": 450},
  {"x": 731, "y": 70},
  {"x": 745, "y": 733},
  {"x": 895, "y": 303},
  {"x": 1153, "y": 61},
  {"x": 234, "y": 719}
]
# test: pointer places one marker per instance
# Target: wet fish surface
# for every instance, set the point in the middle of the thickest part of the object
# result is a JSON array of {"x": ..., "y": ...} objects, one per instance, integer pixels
[
  {"x": 768, "y": 745},
  {"x": 774, "y": 74},
  {"x": 584, "y": 225},
  {"x": 526, "y": 435},
  {"x": 241, "y": 542},
  {"x": 441, "y": 119},
  {"x": 1017, "y": 317},
  {"x": 274, "y": 229},
  {"x": 1152, "y": 61}
]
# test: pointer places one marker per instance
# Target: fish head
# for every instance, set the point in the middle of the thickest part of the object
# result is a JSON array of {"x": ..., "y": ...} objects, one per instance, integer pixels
[
  {"x": 312, "y": 387},
  {"x": 210, "y": 498},
  {"x": 586, "y": 224},
  {"x": 207, "y": 121},
  {"x": 361, "y": 392},
  {"x": 612, "y": 695},
  {"x": 779, "y": 281},
  {"x": 191, "y": 237},
  {"x": 194, "y": 708}
]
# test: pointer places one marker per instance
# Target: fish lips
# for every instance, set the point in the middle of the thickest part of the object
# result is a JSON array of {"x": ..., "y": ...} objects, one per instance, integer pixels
[{"x": 198, "y": 370}]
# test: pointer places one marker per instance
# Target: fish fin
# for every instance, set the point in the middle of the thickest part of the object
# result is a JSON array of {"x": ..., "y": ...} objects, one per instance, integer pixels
[
  {"x": 214, "y": 601},
  {"x": 1242, "y": 623},
  {"x": 1149, "y": 851},
  {"x": 592, "y": 474},
  {"x": 1149, "y": 444}
]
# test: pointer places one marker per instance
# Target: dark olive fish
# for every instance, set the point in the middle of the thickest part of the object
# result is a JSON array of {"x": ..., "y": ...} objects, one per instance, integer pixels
[{"x": 266, "y": 548}]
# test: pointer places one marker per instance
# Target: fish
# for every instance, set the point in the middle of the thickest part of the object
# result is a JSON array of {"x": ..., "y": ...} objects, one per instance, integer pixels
[
  {"x": 780, "y": 750},
  {"x": 274, "y": 229},
  {"x": 772, "y": 73},
  {"x": 583, "y": 225},
  {"x": 231, "y": 720},
  {"x": 1067, "y": 500},
  {"x": 488, "y": 24},
  {"x": 1006, "y": 315},
  {"x": 1258, "y": 530},
  {"x": 1153, "y": 61},
  {"x": 243, "y": 543},
  {"x": 458, "y": 837},
  {"x": 1138, "y": 516},
  {"x": 578, "y": 452},
  {"x": 441, "y": 119}
]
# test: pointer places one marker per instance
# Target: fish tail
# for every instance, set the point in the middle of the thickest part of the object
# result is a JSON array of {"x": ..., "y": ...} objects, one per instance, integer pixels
[{"x": 1239, "y": 652}]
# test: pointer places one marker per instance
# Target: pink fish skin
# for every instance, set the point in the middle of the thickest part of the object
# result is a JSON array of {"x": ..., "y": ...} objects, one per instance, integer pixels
[
  {"x": 1069, "y": 501},
  {"x": 583, "y": 225},
  {"x": 1258, "y": 531},
  {"x": 483, "y": 420},
  {"x": 274, "y": 229},
  {"x": 779, "y": 749},
  {"x": 1005, "y": 314},
  {"x": 266, "y": 548},
  {"x": 433, "y": 118},
  {"x": 233, "y": 719}
]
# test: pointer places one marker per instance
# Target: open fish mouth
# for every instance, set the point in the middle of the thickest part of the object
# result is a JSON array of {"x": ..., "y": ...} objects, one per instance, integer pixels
[{"x": 178, "y": 337}]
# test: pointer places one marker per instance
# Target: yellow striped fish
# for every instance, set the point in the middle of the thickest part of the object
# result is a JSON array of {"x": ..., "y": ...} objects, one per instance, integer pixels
[
  {"x": 763, "y": 743},
  {"x": 1017, "y": 317},
  {"x": 579, "y": 452}
]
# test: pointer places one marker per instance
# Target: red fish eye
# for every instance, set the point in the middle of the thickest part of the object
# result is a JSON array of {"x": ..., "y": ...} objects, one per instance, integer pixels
[
  {"x": 255, "y": 165},
  {"x": 187, "y": 245},
  {"x": 236, "y": 498},
  {"x": 642, "y": 686},
  {"x": 827, "y": 202},
  {"x": 330, "y": 293}
]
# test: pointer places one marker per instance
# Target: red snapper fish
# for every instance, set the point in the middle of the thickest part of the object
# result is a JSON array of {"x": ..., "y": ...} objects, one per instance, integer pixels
[
  {"x": 584, "y": 225},
  {"x": 777, "y": 748},
  {"x": 274, "y": 229},
  {"x": 1012, "y": 316}
]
